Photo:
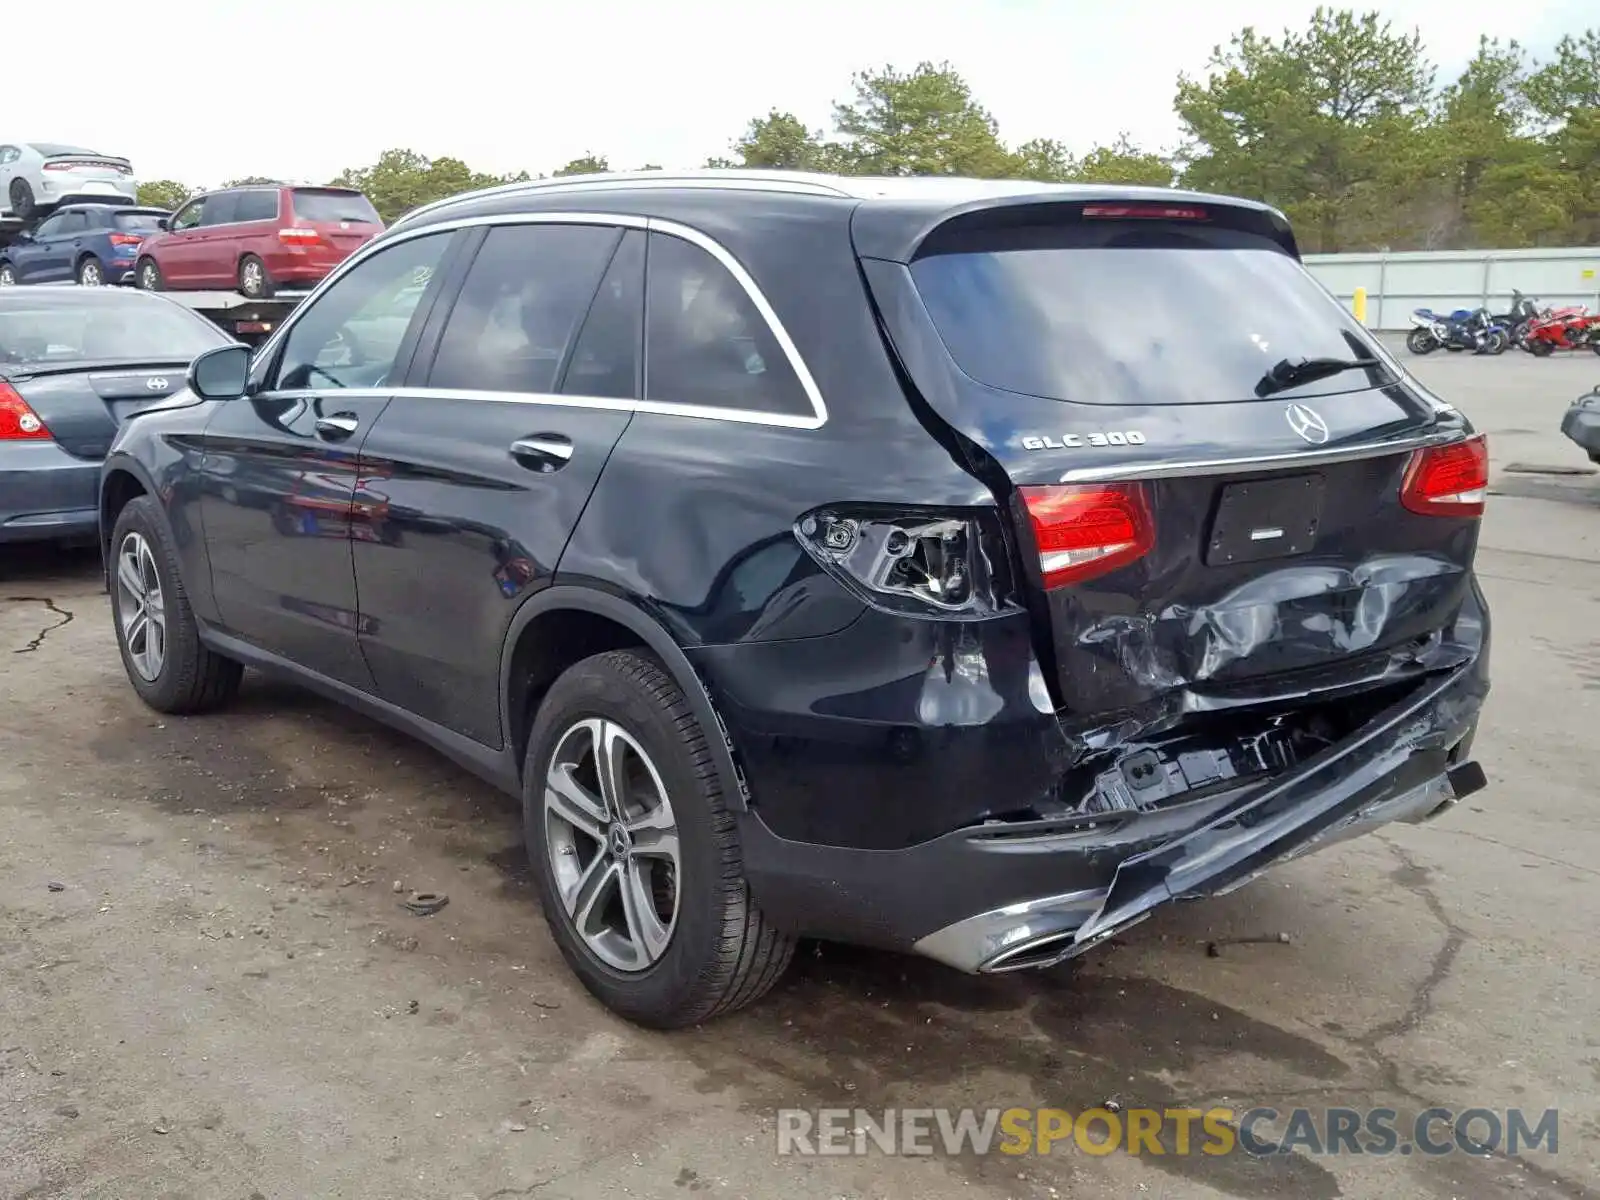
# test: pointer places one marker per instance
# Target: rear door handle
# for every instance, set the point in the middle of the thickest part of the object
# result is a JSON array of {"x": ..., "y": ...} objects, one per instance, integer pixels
[
  {"x": 340, "y": 425},
  {"x": 543, "y": 451}
]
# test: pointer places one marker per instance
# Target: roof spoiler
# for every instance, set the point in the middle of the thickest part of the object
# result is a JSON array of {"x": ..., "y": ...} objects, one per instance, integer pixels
[{"x": 898, "y": 232}]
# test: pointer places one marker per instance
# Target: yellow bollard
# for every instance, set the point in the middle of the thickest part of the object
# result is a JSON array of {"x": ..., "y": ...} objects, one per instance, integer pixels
[{"x": 1358, "y": 305}]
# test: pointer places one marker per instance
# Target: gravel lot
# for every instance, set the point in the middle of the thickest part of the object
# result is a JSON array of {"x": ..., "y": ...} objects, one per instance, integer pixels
[{"x": 225, "y": 999}]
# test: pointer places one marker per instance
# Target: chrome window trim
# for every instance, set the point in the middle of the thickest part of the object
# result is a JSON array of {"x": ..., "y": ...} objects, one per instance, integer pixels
[
  {"x": 808, "y": 384},
  {"x": 559, "y": 400},
  {"x": 1261, "y": 462}
]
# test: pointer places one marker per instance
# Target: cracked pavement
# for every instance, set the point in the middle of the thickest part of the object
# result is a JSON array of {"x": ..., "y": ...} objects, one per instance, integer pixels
[{"x": 225, "y": 998}]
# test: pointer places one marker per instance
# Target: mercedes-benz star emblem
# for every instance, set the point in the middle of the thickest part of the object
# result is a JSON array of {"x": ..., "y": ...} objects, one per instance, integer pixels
[
  {"x": 156, "y": 383},
  {"x": 1306, "y": 423}
]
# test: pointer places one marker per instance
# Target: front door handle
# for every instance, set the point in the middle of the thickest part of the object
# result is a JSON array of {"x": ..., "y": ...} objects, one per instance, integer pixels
[
  {"x": 543, "y": 451},
  {"x": 340, "y": 425}
]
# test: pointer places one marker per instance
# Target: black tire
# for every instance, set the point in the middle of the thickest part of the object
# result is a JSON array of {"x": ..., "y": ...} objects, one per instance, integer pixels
[
  {"x": 23, "y": 205},
  {"x": 1420, "y": 341},
  {"x": 1540, "y": 348},
  {"x": 92, "y": 267},
  {"x": 191, "y": 678},
  {"x": 8, "y": 275},
  {"x": 147, "y": 276},
  {"x": 723, "y": 954},
  {"x": 254, "y": 282}
]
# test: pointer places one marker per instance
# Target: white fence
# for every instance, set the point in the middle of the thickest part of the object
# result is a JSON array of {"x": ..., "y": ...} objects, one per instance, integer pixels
[{"x": 1451, "y": 279}]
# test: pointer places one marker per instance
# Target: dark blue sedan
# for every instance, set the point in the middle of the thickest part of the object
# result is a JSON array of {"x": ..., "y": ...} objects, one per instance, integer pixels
[
  {"x": 74, "y": 364},
  {"x": 91, "y": 244}
]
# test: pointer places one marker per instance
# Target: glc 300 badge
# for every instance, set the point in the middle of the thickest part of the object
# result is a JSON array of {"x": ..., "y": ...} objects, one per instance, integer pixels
[{"x": 1066, "y": 441}]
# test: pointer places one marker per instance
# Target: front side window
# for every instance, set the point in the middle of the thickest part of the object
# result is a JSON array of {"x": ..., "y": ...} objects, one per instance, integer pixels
[
  {"x": 188, "y": 217},
  {"x": 521, "y": 304},
  {"x": 55, "y": 226},
  {"x": 706, "y": 343},
  {"x": 350, "y": 335}
]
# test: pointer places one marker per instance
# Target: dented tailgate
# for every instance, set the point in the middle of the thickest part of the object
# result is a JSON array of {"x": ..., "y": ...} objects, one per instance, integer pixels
[{"x": 1264, "y": 435}]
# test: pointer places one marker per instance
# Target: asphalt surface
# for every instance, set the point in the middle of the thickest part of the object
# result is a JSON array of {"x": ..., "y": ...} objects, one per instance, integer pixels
[{"x": 208, "y": 988}]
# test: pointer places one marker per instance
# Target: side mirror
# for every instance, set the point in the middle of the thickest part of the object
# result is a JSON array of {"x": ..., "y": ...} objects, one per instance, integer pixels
[
  {"x": 163, "y": 223},
  {"x": 22, "y": 235},
  {"x": 221, "y": 374}
]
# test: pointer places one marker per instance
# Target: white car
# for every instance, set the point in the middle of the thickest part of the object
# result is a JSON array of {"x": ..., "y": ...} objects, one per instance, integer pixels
[{"x": 37, "y": 176}]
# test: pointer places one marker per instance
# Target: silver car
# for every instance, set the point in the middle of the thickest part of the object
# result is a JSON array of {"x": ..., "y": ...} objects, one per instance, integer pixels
[{"x": 37, "y": 176}]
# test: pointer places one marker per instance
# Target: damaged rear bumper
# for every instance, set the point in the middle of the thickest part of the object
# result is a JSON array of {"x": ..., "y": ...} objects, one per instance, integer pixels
[{"x": 1007, "y": 895}]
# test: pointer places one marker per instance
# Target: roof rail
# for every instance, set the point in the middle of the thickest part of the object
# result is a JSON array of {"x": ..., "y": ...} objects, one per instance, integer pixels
[{"x": 803, "y": 182}]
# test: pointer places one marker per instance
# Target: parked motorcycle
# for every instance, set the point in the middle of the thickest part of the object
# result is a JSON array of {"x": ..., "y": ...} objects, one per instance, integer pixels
[
  {"x": 1464, "y": 329},
  {"x": 1519, "y": 319},
  {"x": 1563, "y": 329}
]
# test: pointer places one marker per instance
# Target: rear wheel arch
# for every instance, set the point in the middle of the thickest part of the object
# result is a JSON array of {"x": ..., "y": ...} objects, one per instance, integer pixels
[{"x": 565, "y": 624}]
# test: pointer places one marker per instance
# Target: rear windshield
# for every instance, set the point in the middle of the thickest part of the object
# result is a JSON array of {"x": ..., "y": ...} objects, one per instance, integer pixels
[
  {"x": 334, "y": 206},
  {"x": 142, "y": 222},
  {"x": 1134, "y": 312},
  {"x": 49, "y": 149},
  {"x": 54, "y": 333}
]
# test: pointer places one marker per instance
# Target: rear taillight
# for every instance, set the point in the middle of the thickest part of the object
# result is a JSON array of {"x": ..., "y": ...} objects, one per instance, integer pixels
[
  {"x": 1448, "y": 481},
  {"x": 72, "y": 166},
  {"x": 18, "y": 422},
  {"x": 125, "y": 239},
  {"x": 293, "y": 236},
  {"x": 1084, "y": 530},
  {"x": 949, "y": 565}
]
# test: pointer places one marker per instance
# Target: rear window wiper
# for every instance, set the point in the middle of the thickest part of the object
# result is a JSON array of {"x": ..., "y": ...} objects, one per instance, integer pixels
[{"x": 1288, "y": 373}]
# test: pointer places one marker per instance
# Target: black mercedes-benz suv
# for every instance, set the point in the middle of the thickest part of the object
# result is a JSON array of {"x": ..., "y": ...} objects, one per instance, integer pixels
[{"x": 955, "y": 567}]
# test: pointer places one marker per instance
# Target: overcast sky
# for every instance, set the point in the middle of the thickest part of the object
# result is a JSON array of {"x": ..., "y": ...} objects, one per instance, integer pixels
[{"x": 303, "y": 88}]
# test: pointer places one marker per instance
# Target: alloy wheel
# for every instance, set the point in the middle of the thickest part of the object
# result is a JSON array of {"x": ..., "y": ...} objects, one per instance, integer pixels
[
  {"x": 89, "y": 275},
  {"x": 141, "y": 608},
  {"x": 612, "y": 843},
  {"x": 252, "y": 279},
  {"x": 8, "y": 277}
]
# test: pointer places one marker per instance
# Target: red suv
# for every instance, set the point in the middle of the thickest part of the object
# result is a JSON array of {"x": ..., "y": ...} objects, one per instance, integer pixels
[{"x": 257, "y": 239}]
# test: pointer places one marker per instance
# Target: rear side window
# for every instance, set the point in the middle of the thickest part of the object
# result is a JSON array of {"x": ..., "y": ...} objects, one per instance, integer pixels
[
  {"x": 256, "y": 206},
  {"x": 605, "y": 358},
  {"x": 706, "y": 343},
  {"x": 527, "y": 291},
  {"x": 1132, "y": 312},
  {"x": 311, "y": 204}
]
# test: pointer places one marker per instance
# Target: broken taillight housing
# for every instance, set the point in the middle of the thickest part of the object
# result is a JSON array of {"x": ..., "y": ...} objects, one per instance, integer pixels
[
  {"x": 1448, "y": 481},
  {"x": 1085, "y": 530},
  {"x": 937, "y": 564}
]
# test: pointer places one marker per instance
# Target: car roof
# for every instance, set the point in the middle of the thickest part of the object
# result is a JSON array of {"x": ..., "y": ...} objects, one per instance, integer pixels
[
  {"x": 92, "y": 206},
  {"x": 893, "y": 213},
  {"x": 64, "y": 296}
]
